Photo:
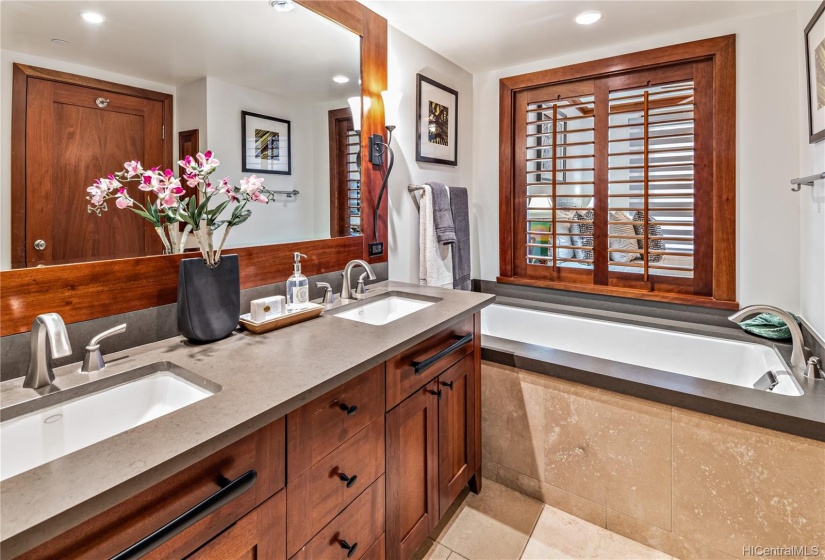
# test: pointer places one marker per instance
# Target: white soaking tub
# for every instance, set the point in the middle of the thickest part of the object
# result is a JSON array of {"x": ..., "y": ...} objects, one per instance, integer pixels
[{"x": 703, "y": 357}]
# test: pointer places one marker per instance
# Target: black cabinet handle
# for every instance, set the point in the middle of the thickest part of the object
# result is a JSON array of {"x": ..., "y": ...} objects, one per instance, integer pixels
[
  {"x": 423, "y": 365},
  {"x": 437, "y": 393},
  {"x": 228, "y": 492},
  {"x": 450, "y": 384},
  {"x": 350, "y": 480},
  {"x": 351, "y": 548},
  {"x": 350, "y": 410}
]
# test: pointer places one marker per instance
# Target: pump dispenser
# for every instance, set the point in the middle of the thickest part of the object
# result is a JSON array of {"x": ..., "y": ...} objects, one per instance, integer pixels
[{"x": 297, "y": 287}]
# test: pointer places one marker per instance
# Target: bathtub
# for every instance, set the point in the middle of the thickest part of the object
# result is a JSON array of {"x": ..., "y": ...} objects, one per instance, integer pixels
[{"x": 703, "y": 357}]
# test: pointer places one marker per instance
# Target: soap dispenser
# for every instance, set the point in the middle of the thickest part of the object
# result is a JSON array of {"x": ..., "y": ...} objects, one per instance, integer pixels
[{"x": 297, "y": 287}]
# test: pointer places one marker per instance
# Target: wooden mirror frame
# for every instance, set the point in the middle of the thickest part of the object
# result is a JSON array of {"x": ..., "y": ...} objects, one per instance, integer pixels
[{"x": 84, "y": 291}]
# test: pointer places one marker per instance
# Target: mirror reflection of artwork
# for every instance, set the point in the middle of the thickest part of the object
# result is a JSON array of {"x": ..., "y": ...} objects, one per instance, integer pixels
[
  {"x": 819, "y": 56},
  {"x": 437, "y": 129},
  {"x": 436, "y": 123},
  {"x": 267, "y": 144},
  {"x": 815, "y": 51}
]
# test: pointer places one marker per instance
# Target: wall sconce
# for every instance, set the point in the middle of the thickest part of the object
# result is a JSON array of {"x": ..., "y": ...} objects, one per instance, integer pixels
[
  {"x": 358, "y": 106},
  {"x": 378, "y": 147}
]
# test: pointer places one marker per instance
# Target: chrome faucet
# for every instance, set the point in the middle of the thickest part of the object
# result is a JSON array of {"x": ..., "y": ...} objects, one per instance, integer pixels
[
  {"x": 93, "y": 361},
  {"x": 346, "y": 290},
  {"x": 799, "y": 354},
  {"x": 49, "y": 340}
]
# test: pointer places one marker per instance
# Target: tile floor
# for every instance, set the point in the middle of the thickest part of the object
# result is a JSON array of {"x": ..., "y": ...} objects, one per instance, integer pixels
[{"x": 500, "y": 524}]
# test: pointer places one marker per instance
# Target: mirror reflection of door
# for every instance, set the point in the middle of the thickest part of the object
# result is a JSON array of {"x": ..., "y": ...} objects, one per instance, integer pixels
[
  {"x": 72, "y": 133},
  {"x": 345, "y": 176}
]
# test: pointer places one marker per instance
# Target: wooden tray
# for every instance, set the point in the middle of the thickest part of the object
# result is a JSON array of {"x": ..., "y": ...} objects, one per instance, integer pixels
[{"x": 284, "y": 320}]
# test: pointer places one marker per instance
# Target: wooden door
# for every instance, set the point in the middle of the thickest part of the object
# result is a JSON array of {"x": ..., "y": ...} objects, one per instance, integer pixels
[
  {"x": 344, "y": 175},
  {"x": 456, "y": 426},
  {"x": 259, "y": 535},
  {"x": 412, "y": 472},
  {"x": 74, "y": 135}
]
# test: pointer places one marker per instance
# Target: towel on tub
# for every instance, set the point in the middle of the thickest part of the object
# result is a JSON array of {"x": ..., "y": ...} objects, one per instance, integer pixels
[
  {"x": 442, "y": 214},
  {"x": 435, "y": 265},
  {"x": 460, "y": 210}
]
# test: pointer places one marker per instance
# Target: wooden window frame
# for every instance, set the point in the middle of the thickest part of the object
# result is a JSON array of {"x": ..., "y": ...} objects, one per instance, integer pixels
[{"x": 721, "y": 53}]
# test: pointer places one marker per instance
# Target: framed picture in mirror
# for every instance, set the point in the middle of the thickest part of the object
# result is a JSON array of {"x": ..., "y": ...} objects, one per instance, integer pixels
[
  {"x": 815, "y": 51},
  {"x": 266, "y": 144},
  {"x": 436, "y": 122}
]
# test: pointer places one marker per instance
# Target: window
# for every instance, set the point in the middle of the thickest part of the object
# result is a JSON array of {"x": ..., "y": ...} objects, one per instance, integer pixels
[{"x": 617, "y": 176}]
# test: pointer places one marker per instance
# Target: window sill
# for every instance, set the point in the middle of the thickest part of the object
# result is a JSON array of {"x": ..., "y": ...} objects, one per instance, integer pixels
[{"x": 682, "y": 299}]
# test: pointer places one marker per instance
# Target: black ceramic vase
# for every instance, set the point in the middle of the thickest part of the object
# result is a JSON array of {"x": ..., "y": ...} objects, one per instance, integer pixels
[{"x": 209, "y": 299}]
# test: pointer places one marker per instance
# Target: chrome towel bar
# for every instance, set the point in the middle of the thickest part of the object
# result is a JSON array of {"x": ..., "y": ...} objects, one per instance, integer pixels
[
  {"x": 809, "y": 181},
  {"x": 412, "y": 189}
]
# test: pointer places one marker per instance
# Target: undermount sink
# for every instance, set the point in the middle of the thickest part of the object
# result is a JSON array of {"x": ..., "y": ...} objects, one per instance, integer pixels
[
  {"x": 46, "y": 428},
  {"x": 385, "y": 310}
]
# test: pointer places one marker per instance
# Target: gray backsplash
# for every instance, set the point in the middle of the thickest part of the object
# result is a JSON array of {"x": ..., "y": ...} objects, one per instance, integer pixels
[{"x": 144, "y": 326}]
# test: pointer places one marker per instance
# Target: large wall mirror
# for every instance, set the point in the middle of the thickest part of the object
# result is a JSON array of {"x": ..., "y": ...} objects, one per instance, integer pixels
[{"x": 266, "y": 91}]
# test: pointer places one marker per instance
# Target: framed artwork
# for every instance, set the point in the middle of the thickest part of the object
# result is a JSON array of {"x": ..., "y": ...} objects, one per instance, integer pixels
[
  {"x": 815, "y": 62},
  {"x": 436, "y": 122},
  {"x": 266, "y": 144}
]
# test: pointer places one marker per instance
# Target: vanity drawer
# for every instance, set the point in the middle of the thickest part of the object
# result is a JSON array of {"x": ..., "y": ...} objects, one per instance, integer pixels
[
  {"x": 412, "y": 369},
  {"x": 319, "y": 494},
  {"x": 323, "y": 424},
  {"x": 361, "y": 525},
  {"x": 117, "y": 529}
]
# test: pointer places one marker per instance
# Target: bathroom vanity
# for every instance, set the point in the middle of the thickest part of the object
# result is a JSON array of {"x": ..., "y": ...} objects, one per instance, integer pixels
[{"x": 335, "y": 438}]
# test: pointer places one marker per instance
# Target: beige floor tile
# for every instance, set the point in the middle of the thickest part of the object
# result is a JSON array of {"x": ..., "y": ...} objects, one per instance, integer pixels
[
  {"x": 493, "y": 525},
  {"x": 559, "y": 535},
  {"x": 431, "y": 550},
  {"x": 456, "y": 556}
]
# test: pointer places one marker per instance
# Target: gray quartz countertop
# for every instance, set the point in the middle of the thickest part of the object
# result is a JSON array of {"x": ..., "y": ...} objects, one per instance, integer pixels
[{"x": 263, "y": 377}]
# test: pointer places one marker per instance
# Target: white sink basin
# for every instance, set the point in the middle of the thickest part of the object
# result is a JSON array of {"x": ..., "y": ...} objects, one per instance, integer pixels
[
  {"x": 35, "y": 438},
  {"x": 385, "y": 310}
]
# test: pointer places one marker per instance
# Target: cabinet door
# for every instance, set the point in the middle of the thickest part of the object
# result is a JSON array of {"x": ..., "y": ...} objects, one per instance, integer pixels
[
  {"x": 412, "y": 472},
  {"x": 260, "y": 534},
  {"x": 456, "y": 421}
]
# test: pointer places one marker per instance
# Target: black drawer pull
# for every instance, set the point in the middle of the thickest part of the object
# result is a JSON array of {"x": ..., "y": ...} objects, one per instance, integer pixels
[
  {"x": 228, "y": 492},
  {"x": 349, "y": 547},
  {"x": 350, "y": 410},
  {"x": 450, "y": 384},
  {"x": 423, "y": 365},
  {"x": 350, "y": 480},
  {"x": 436, "y": 393}
]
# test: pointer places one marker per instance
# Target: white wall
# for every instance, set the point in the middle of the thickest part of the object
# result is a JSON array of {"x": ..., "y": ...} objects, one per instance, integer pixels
[
  {"x": 405, "y": 58},
  {"x": 191, "y": 114},
  {"x": 768, "y": 98},
  {"x": 7, "y": 59},
  {"x": 812, "y": 205}
]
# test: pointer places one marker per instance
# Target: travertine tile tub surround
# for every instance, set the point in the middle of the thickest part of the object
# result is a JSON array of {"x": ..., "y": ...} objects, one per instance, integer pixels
[{"x": 688, "y": 484}]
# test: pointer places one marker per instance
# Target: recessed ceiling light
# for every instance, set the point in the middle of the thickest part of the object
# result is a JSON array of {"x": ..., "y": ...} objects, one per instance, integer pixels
[
  {"x": 60, "y": 42},
  {"x": 340, "y": 79},
  {"x": 92, "y": 17},
  {"x": 282, "y": 5},
  {"x": 587, "y": 18}
]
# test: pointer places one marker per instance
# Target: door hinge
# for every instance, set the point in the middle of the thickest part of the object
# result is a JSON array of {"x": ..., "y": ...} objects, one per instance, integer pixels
[{"x": 163, "y": 132}]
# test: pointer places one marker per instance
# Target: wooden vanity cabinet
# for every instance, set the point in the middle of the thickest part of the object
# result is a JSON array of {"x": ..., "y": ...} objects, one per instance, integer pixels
[
  {"x": 433, "y": 438},
  {"x": 130, "y": 521}
]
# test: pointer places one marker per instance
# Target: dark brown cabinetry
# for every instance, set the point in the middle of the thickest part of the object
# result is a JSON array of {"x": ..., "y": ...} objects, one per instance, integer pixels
[
  {"x": 412, "y": 471},
  {"x": 432, "y": 435},
  {"x": 364, "y": 471}
]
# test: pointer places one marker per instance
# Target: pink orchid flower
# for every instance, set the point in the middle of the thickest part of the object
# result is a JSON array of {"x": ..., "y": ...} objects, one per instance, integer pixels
[
  {"x": 208, "y": 161},
  {"x": 192, "y": 179},
  {"x": 123, "y": 199},
  {"x": 251, "y": 187},
  {"x": 132, "y": 168}
]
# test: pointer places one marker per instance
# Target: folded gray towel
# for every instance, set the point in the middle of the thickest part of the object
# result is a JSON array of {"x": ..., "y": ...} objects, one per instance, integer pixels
[
  {"x": 442, "y": 214},
  {"x": 461, "y": 249}
]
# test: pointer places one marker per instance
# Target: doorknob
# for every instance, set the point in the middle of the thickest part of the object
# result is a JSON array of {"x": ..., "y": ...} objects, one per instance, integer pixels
[{"x": 39, "y": 244}]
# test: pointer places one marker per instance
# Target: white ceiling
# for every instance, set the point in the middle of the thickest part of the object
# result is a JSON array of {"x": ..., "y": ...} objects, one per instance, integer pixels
[
  {"x": 247, "y": 43},
  {"x": 481, "y": 35}
]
